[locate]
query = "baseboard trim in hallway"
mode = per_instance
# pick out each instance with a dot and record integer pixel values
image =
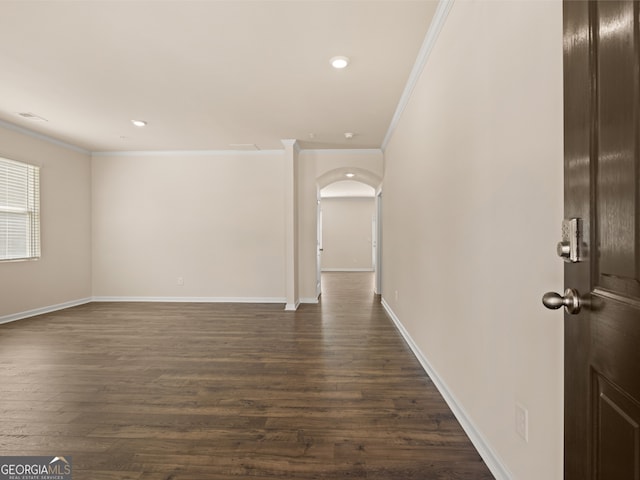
(491, 459)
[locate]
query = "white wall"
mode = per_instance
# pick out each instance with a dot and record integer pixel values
(63, 274)
(236, 252)
(472, 213)
(346, 233)
(217, 221)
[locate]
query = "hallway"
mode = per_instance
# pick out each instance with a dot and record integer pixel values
(194, 391)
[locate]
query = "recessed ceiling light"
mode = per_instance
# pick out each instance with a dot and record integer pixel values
(139, 123)
(350, 175)
(348, 135)
(339, 62)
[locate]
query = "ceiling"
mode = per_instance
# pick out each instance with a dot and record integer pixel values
(208, 74)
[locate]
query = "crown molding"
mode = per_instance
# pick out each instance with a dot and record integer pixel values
(442, 11)
(343, 151)
(43, 137)
(116, 299)
(183, 153)
(291, 142)
(196, 153)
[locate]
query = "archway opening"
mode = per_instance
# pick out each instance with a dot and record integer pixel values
(348, 228)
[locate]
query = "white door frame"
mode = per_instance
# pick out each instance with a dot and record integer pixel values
(378, 244)
(319, 248)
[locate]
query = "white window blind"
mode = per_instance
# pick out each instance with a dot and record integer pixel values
(19, 210)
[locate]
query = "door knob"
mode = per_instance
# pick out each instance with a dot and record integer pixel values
(570, 301)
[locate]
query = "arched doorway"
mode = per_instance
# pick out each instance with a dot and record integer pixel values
(348, 223)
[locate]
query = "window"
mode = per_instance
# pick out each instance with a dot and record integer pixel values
(19, 210)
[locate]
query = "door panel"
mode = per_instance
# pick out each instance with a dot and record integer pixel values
(617, 175)
(602, 143)
(618, 434)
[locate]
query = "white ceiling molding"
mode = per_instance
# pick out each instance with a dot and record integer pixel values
(343, 151)
(291, 142)
(444, 6)
(186, 153)
(43, 137)
(192, 153)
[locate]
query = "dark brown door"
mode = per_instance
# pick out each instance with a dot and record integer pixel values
(602, 175)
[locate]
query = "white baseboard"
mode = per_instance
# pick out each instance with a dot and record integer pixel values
(73, 303)
(40, 311)
(348, 270)
(192, 299)
(491, 459)
(309, 300)
(292, 307)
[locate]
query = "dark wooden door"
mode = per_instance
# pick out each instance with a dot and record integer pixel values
(602, 175)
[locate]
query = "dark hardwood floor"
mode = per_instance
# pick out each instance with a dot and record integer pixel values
(188, 391)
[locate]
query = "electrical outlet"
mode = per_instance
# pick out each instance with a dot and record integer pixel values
(522, 422)
(181, 281)
(396, 295)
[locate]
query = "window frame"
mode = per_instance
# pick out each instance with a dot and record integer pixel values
(21, 181)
